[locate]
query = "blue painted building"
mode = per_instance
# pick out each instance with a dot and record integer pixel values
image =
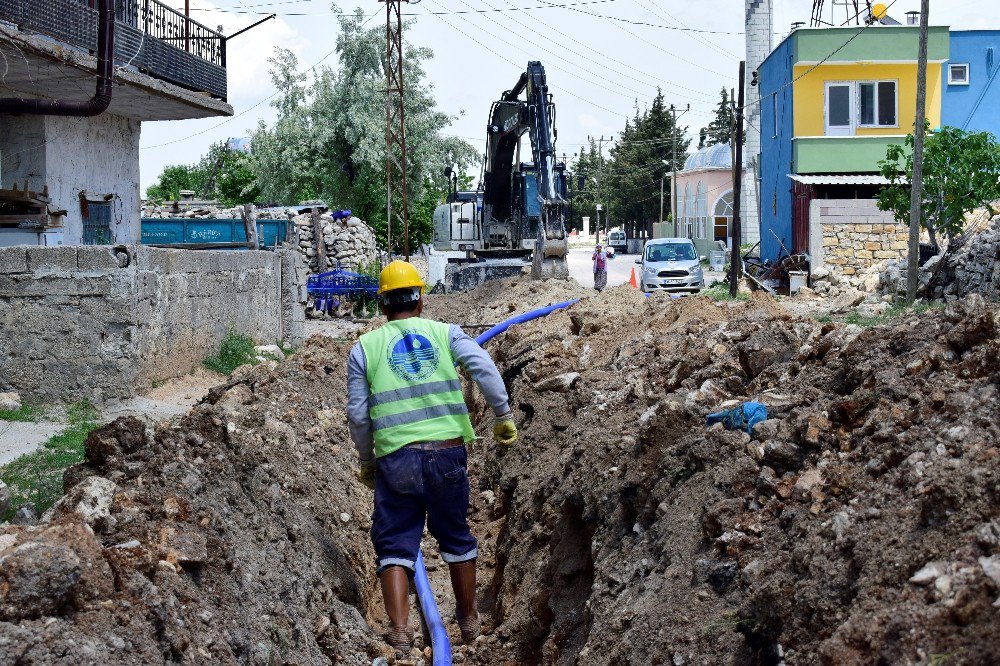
(776, 132)
(971, 99)
(833, 100)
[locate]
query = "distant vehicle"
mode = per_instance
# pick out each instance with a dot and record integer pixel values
(671, 264)
(618, 241)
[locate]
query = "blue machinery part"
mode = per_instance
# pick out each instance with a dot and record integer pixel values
(440, 645)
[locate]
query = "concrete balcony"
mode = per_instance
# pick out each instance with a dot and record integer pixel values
(171, 67)
(840, 154)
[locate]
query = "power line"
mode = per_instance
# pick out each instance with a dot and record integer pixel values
(508, 60)
(653, 25)
(653, 44)
(245, 9)
(580, 55)
(818, 64)
(251, 108)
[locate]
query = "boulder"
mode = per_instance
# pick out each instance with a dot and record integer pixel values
(10, 402)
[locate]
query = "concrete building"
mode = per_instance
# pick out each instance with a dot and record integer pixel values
(705, 199)
(82, 173)
(970, 81)
(833, 100)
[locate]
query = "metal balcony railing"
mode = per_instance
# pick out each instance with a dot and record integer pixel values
(156, 39)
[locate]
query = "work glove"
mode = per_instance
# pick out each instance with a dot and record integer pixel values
(504, 430)
(366, 474)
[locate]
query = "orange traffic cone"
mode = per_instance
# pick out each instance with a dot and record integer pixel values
(632, 280)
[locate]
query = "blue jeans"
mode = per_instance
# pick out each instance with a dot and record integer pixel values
(412, 486)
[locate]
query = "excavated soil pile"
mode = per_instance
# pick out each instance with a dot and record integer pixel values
(858, 525)
(236, 535)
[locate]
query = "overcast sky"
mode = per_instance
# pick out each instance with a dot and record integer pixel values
(598, 68)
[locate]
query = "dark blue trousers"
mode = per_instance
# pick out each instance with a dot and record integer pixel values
(413, 486)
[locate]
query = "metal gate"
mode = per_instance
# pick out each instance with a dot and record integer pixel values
(97, 223)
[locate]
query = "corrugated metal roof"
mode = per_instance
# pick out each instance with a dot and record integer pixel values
(839, 179)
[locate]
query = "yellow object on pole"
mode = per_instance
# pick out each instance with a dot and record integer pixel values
(399, 275)
(879, 11)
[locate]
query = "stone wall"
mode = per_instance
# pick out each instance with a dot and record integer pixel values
(852, 235)
(348, 243)
(974, 268)
(106, 322)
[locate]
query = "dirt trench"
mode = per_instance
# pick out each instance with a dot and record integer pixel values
(858, 525)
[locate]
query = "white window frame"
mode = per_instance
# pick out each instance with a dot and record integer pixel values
(775, 105)
(852, 114)
(968, 74)
(857, 103)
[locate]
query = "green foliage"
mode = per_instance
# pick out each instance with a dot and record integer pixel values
(223, 175)
(631, 183)
(36, 477)
(28, 413)
(961, 173)
(720, 292)
(720, 130)
(328, 141)
(897, 310)
(235, 350)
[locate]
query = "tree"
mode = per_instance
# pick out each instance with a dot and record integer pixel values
(329, 139)
(222, 175)
(720, 130)
(173, 179)
(643, 155)
(961, 174)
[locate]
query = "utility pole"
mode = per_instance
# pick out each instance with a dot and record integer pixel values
(673, 168)
(917, 183)
(600, 184)
(395, 128)
(734, 252)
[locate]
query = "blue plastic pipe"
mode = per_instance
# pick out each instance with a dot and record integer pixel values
(440, 644)
(482, 338)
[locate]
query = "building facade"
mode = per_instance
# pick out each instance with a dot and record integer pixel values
(971, 90)
(705, 199)
(832, 101)
(75, 179)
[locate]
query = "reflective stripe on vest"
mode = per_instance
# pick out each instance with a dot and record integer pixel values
(416, 394)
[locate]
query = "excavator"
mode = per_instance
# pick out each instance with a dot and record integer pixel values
(520, 207)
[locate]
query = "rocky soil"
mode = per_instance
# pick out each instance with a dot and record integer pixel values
(859, 524)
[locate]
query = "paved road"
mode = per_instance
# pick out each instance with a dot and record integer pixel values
(581, 267)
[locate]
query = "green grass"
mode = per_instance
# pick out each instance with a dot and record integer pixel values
(28, 413)
(235, 350)
(36, 477)
(897, 310)
(720, 292)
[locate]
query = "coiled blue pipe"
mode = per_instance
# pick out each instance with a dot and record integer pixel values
(440, 644)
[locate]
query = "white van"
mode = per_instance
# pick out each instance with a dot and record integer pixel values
(618, 241)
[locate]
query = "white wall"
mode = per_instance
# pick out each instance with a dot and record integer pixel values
(100, 156)
(22, 151)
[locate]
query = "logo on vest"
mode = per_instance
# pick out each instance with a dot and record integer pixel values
(412, 357)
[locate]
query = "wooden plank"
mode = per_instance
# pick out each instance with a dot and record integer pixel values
(318, 244)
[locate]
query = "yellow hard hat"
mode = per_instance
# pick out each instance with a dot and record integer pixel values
(399, 275)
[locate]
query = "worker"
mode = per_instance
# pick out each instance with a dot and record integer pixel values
(600, 259)
(409, 423)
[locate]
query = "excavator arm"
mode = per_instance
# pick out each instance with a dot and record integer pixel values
(510, 118)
